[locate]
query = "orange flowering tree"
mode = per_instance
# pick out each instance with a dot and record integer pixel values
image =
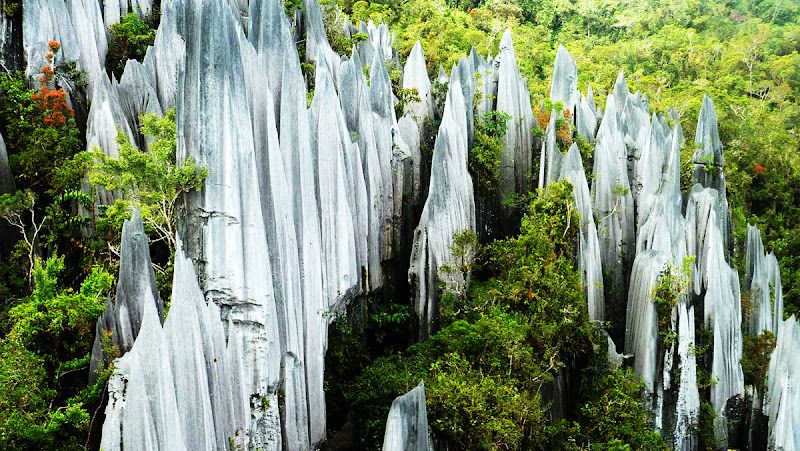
(44, 147)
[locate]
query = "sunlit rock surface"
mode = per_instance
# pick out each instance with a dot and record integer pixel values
(709, 162)
(516, 159)
(178, 387)
(123, 318)
(783, 392)
(449, 209)
(589, 261)
(407, 424)
(763, 280)
(613, 208)
(564, 87)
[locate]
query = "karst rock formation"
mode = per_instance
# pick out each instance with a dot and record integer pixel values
(315, 199)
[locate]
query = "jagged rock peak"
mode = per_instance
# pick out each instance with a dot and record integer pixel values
(564, 87)
(783, 392)
(188, 369)
(589, 260)
(708, 145)
(137, 282)
(763, 280)
(407, 424)
(449, 209)
(516, 159)
(415, 76)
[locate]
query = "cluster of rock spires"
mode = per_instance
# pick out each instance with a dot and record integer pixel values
(304, 209)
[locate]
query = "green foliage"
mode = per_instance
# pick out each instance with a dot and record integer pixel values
(290, 6)
(129, 39)
(41, 156)
(484, 157)
(756, 352)
(404, 97)
(44, 357)
(499, 344)
(611, 415)
(151, 181)
(11, 7)
(672, 285)
(45, 158)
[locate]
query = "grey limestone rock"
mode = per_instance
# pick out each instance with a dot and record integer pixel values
(90, 34)
(722, 313)
(564, 87)
(407, 424)
(178, 387)
(641, 331)
(613, 207)
(441, 75)
(551, 157)
(783, 392)
(763, 280)
(106, 120)
(586, 118)
(7, 185)
(165, 57)
(224, 228)
(142, 411)
(415, 76)
(709, 162)
(589, 260)
(43, 21)
(137, 281)
(687, 406)
(137, 96)
(449, 209)
(516, 160)
(317, 47)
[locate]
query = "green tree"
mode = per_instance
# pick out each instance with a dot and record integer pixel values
(151, 181)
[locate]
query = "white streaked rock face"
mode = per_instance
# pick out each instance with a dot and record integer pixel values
(763, 280)
(589, 260)
(783, 392)
(407, 424)
(449, 209)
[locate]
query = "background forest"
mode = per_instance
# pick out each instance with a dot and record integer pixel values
(485, 370)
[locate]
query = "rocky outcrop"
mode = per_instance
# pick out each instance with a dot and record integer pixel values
(7, 184)
(613, 208)
(783, 392)
(119, 326)
(407, 424)
(589, 247)
(564, 87)
(449, 209)
(709, 162)
(415, 76)
(763, 280)
(516, 159)
(179, 387)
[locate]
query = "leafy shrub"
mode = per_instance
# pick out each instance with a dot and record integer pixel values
(756, 352)
(484, 157)
(44, 359)
(129, 40)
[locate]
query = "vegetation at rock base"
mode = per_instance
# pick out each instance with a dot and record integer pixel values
(501, 343)
(44, 355)
(744, 55)
(56, 270)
